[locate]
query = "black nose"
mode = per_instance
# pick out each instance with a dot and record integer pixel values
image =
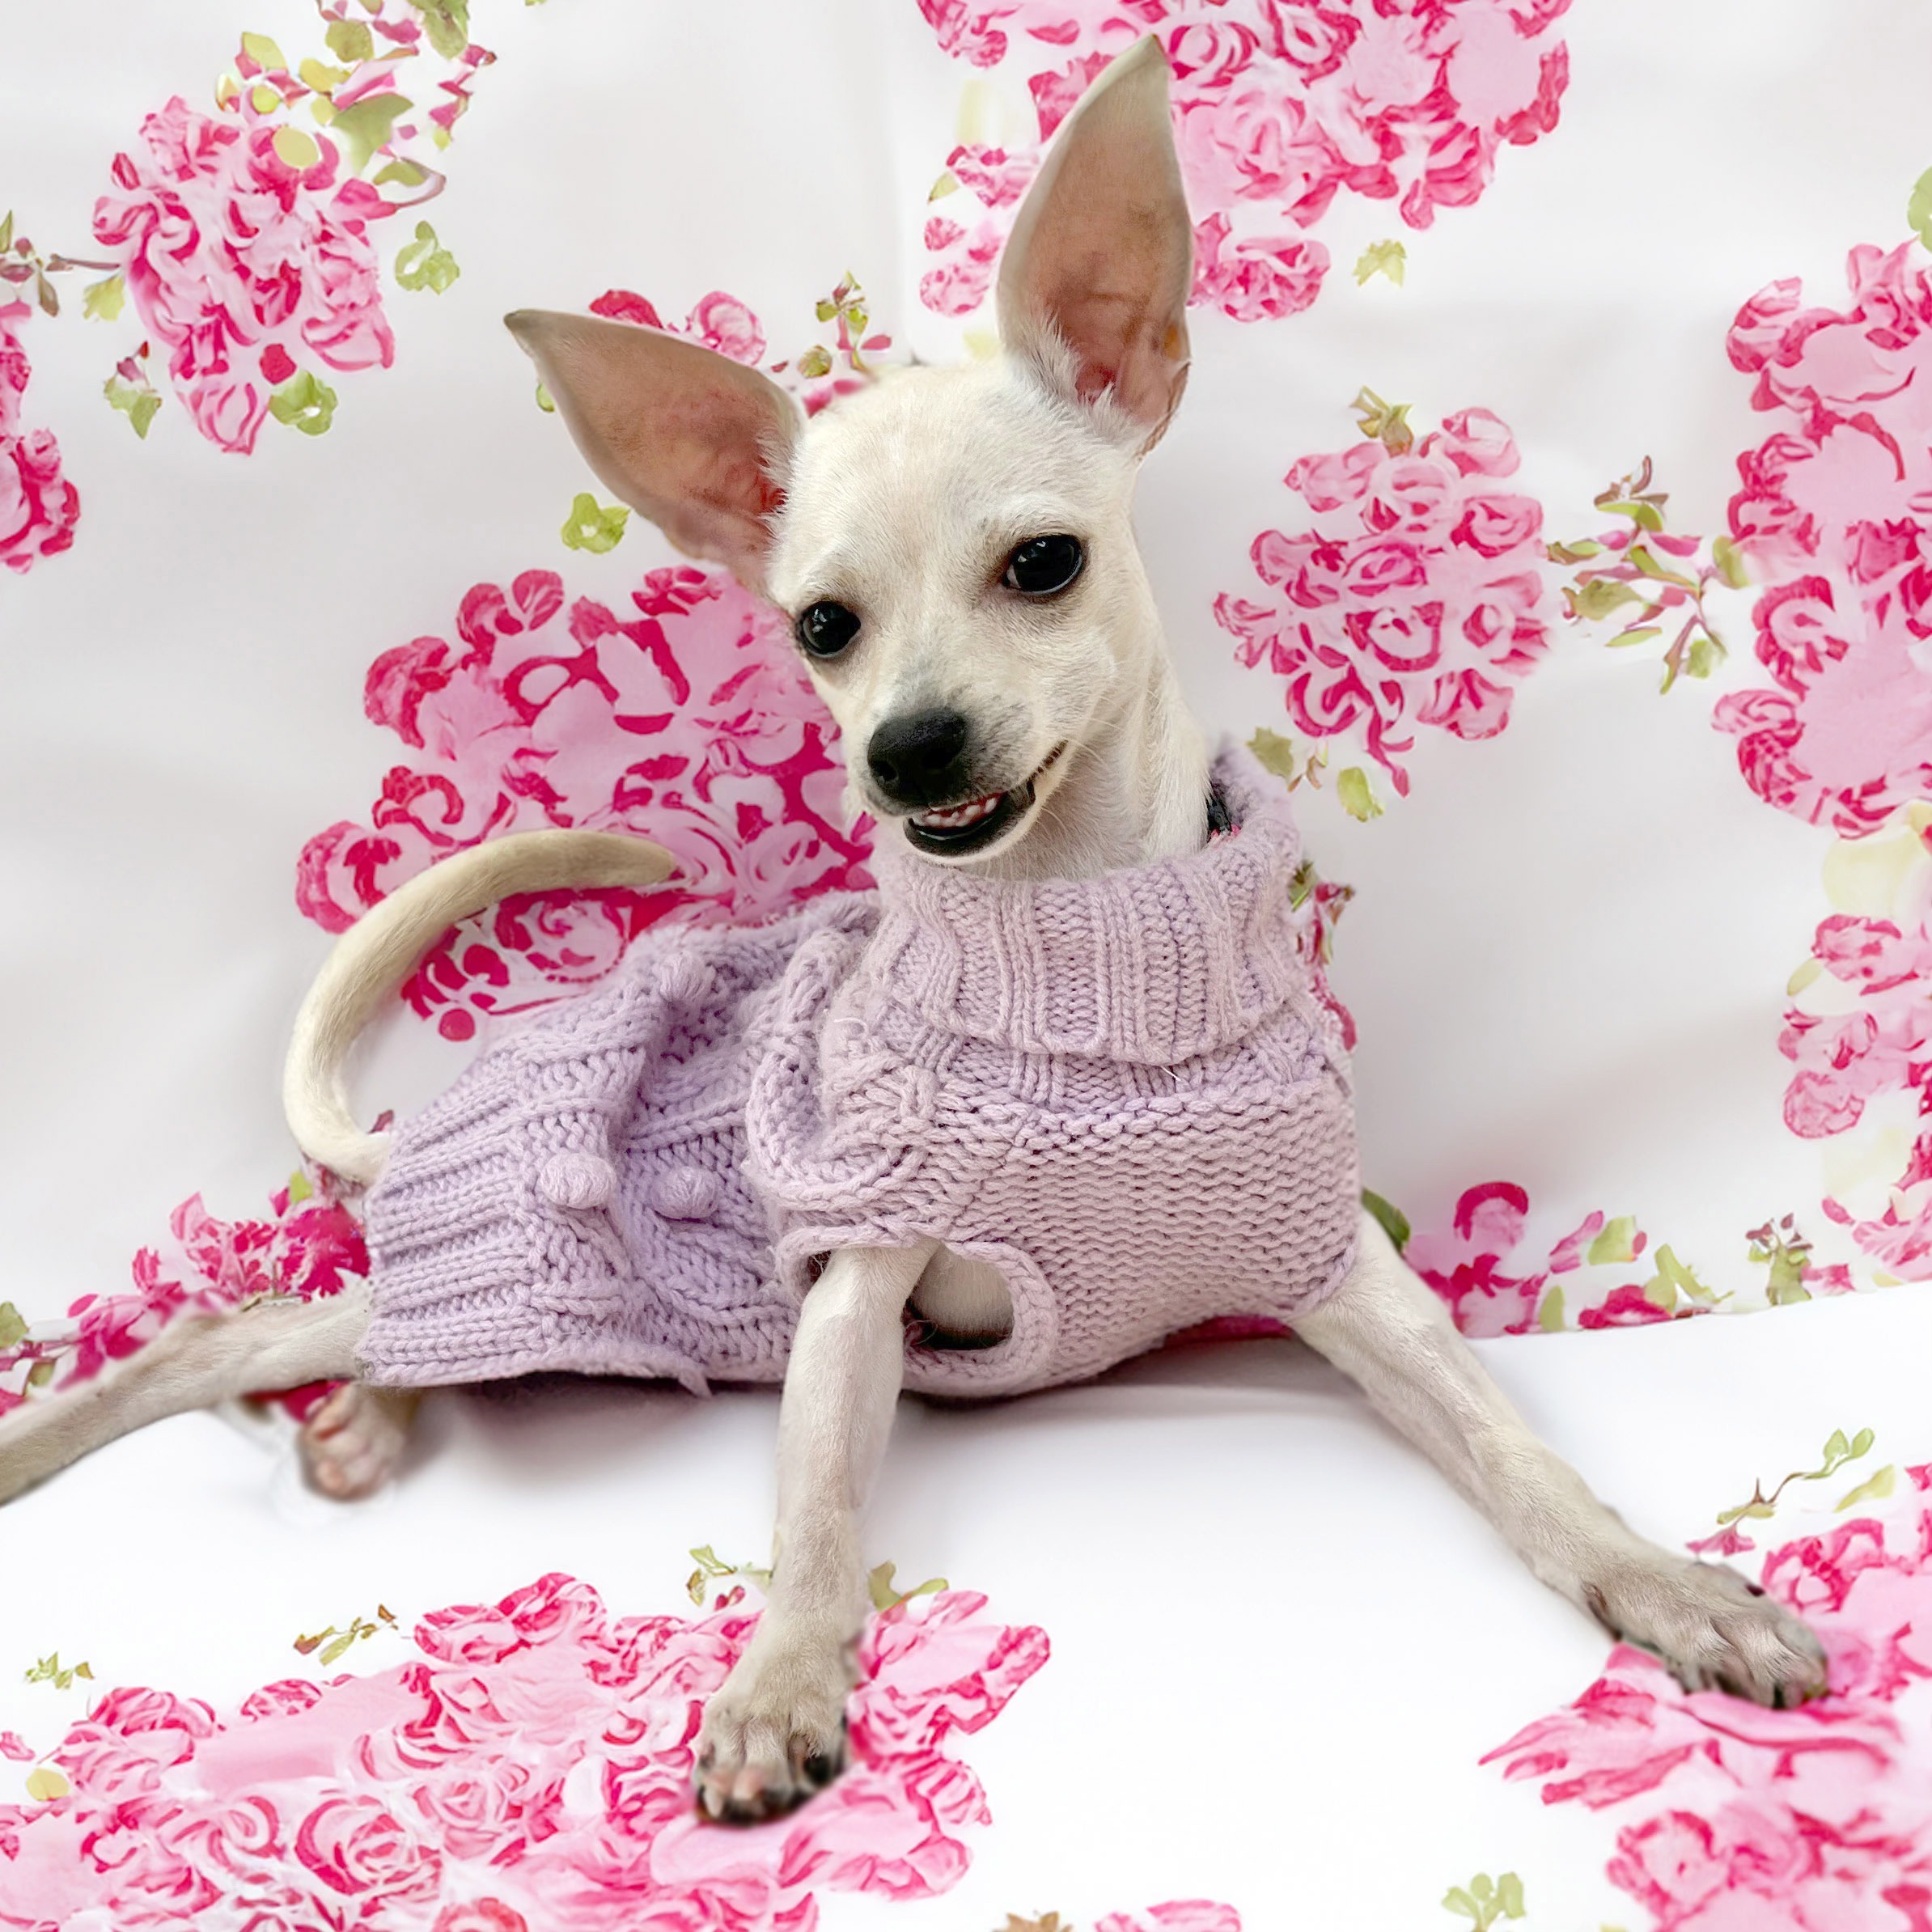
(919, 758)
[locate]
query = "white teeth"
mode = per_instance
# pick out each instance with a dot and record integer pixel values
(957, 815)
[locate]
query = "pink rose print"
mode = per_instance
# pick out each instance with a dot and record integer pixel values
(529, 1767)
(243, 237)
(1258, 278)
(1729, 1816)
(1177, 1915)
(1833, 510)
(1278, 107)
(722, 322)
(1417, 597)
(309, 1246)
(688, 722)
(480, 1915)
(1464, 1263)
(39, 507)
(243, 264)
(1878, 1045)
(355, 1846)
(1603, 1273)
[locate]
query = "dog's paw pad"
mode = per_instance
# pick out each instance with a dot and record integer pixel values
(353, 1443)
(1713, 1630)
(769, 1744)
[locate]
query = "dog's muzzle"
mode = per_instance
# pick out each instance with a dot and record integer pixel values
(960, 831)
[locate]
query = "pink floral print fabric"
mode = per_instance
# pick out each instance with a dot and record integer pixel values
(39, 507)
(1416, 596)
(309, 1244)
(243, 240)
(243, 265)
(684, 718)
(1832, 509)
(1278, 108)
(1605, 1272)
(527, 1770)
(1727, 1817)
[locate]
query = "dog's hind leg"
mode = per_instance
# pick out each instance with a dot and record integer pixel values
(196, 1361)
(1389, 1332)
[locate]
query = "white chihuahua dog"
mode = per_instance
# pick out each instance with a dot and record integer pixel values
(956, 551)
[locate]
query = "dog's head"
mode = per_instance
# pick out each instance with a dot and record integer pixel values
(954, 546)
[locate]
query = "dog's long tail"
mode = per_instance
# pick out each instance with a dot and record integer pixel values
(380, 951)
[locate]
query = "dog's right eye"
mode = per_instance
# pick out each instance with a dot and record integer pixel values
(1044, 564)
(825, 629)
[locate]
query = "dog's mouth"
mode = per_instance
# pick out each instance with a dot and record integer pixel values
(976, 826)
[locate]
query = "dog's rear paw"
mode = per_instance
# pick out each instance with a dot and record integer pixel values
(775, 1733)
(353, 1443)
(1711, 1629)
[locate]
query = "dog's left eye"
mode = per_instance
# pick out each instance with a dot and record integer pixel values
(825, 629)
(1043, 565)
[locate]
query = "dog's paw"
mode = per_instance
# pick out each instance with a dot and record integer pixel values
(353, 1443)
(775, 1732)
(1711, 1629)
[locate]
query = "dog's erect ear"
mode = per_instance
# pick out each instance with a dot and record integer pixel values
(699, 443)
(1102, 255)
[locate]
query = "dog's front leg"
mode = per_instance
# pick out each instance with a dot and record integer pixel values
(1388, 1331)
(775, 1732)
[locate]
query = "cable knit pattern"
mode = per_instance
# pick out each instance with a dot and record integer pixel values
(1121, 1091)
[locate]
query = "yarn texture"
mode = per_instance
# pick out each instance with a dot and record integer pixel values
(1121, 1091)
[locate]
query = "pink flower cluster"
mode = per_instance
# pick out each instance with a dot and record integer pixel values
(1278, 105)
(1602, 1274)
(1416, 598)
(309, 1245)
(242, 264)
(1731, 1816)
(1834, 510)
(1835, 513)
(1468, 1264)
(720, 322)
(723, 323)
(1881, 1044)
(1177, 1915)
(530, 1768)
(39, 507)
(687, 720)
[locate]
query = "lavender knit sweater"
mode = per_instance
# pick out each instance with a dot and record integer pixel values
(1119, 1091)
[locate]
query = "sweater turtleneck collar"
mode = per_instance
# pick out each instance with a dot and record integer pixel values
(1153, 964)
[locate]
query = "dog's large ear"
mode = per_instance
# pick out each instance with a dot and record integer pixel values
(699, 443)
(1102, 255)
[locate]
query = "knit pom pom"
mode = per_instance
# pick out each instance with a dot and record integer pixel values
(571, 1179)
(685, 980)
(684, 1194)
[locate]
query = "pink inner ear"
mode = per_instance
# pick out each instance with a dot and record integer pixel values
(678, 431)
(706, 445)
(1102, 251)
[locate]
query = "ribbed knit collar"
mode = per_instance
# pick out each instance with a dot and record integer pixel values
(1152, 964)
